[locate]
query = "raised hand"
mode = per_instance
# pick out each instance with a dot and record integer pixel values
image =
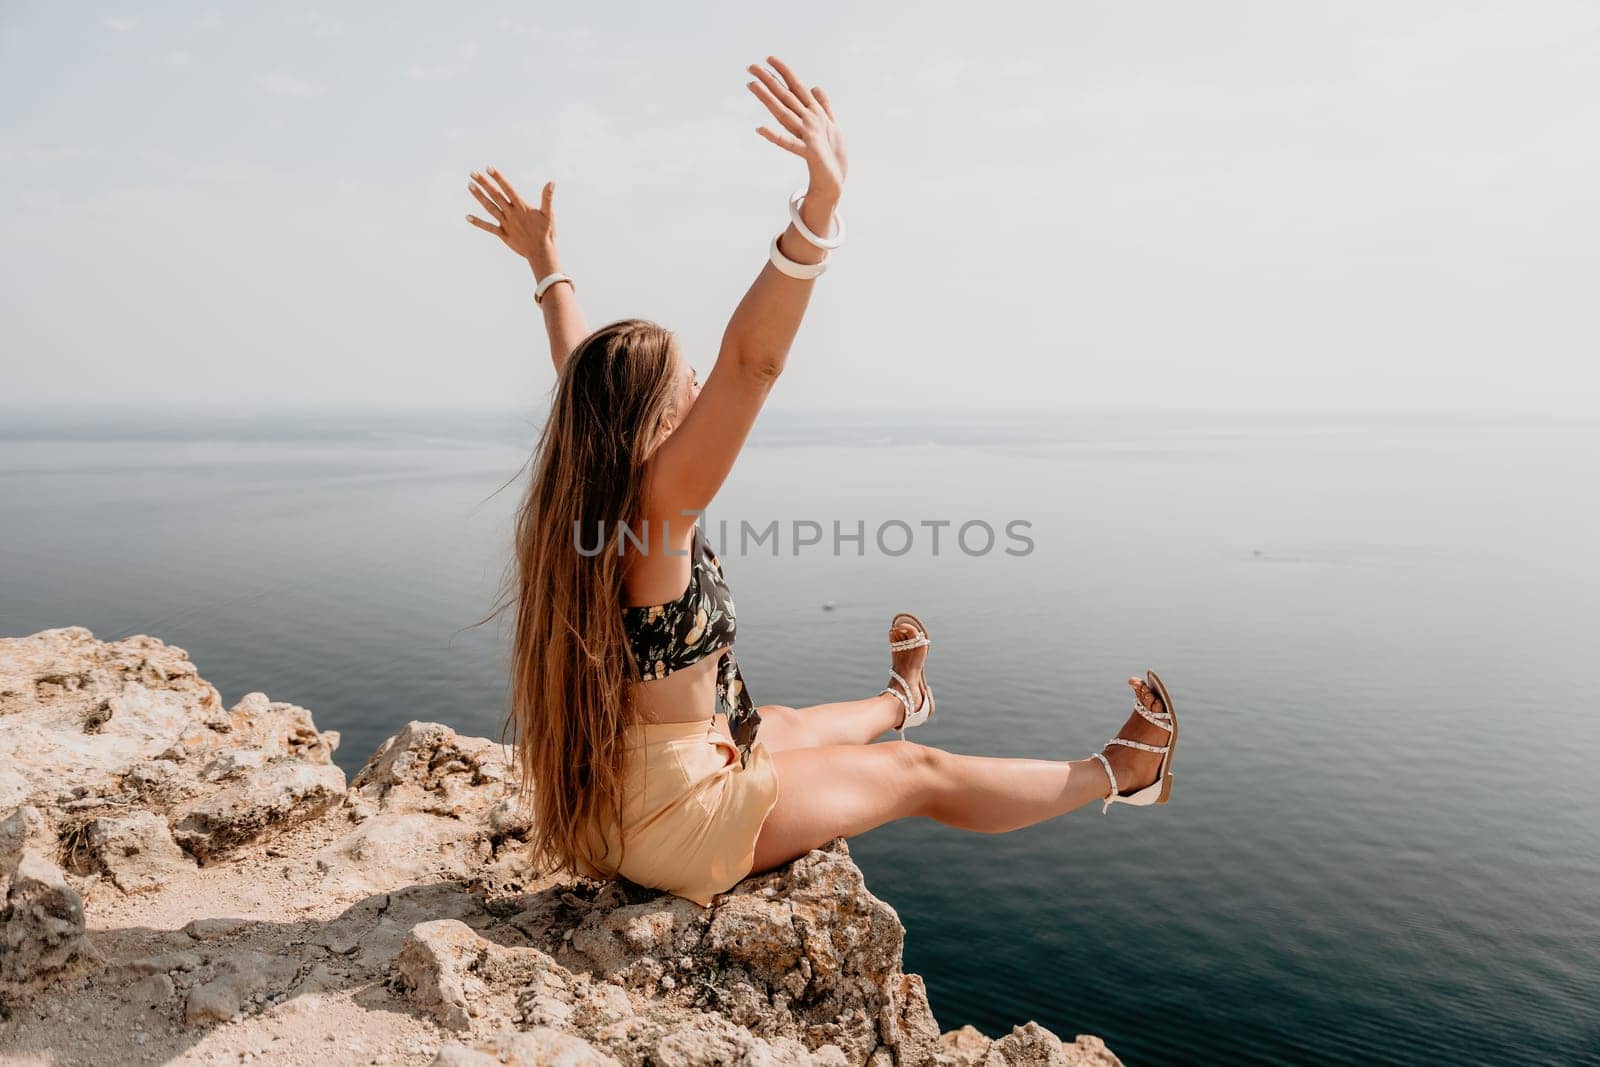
(528, 231)
(807, 115)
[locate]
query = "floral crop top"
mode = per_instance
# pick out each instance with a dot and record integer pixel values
(701, 622)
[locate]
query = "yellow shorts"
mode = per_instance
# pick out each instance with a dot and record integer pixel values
(691, 814)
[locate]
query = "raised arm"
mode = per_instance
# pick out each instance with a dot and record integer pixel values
(766, 321)
(530, 232)
(691, 465)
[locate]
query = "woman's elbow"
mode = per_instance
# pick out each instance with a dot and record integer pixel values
(762, 368)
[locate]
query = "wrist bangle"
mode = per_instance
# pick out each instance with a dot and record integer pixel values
(824, 243)
(551, 279)
(788, 266)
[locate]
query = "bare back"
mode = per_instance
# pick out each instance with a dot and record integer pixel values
(655, 577)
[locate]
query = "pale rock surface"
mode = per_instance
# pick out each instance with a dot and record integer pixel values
(41, 916)
(537, 1047)
(186, 883)
(137, 851)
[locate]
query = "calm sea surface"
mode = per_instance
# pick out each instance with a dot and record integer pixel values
(1381, 634)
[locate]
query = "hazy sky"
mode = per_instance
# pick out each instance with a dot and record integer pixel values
(1226, 205)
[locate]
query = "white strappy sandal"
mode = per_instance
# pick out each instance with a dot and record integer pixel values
(1158, 791)
(904, 694)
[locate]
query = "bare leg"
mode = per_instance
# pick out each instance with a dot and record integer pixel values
(850, 722)
(845, 790)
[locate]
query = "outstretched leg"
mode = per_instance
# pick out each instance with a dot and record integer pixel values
(845, 790)
(849, 722)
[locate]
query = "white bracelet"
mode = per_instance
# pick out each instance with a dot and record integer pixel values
(823, 243)
(539, 290)
(788, 266)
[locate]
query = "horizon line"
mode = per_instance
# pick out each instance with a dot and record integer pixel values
(141, 412)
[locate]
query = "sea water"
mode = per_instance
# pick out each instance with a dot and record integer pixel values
(1380, 634)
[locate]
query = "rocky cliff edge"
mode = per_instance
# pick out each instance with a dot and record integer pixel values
(188, 883)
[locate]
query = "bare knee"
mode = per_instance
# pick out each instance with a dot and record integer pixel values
(936, 792)
(924, 770)
(844, 790)
(783, 727)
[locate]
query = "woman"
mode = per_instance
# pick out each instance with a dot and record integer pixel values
(622, 649)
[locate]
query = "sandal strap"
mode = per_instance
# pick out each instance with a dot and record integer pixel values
(1159, 718)
(1139, 745)
(1111, 775)
(903, 697)
(914, 716)
(910, 642)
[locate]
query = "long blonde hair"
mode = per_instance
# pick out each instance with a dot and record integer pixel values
(570, 658)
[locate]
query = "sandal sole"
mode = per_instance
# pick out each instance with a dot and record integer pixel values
(923, 630)
(1172, 743)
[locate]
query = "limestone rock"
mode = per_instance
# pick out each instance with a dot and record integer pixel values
(434, 967)
(137, 851)
(400, 848)
(400, 906)
(261, 802)
(1029, 1045)
(427, 767)
(215, 928)
(456, 975)
(80, 713)
(472, 984)
(232, 985)
(166, 963)
(119, 732)
(41, 916)
(804, 952)
(539, 1047)
(150, 991)
(432, 805)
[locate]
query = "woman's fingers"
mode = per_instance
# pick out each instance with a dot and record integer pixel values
(549, 194)
(822, 98)
(491, 206)
(497, 197)
(787, 143)
(489, 226)
(505, 187)
(779, 111)
(780, 101)
(796, 87)
(790, 102)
